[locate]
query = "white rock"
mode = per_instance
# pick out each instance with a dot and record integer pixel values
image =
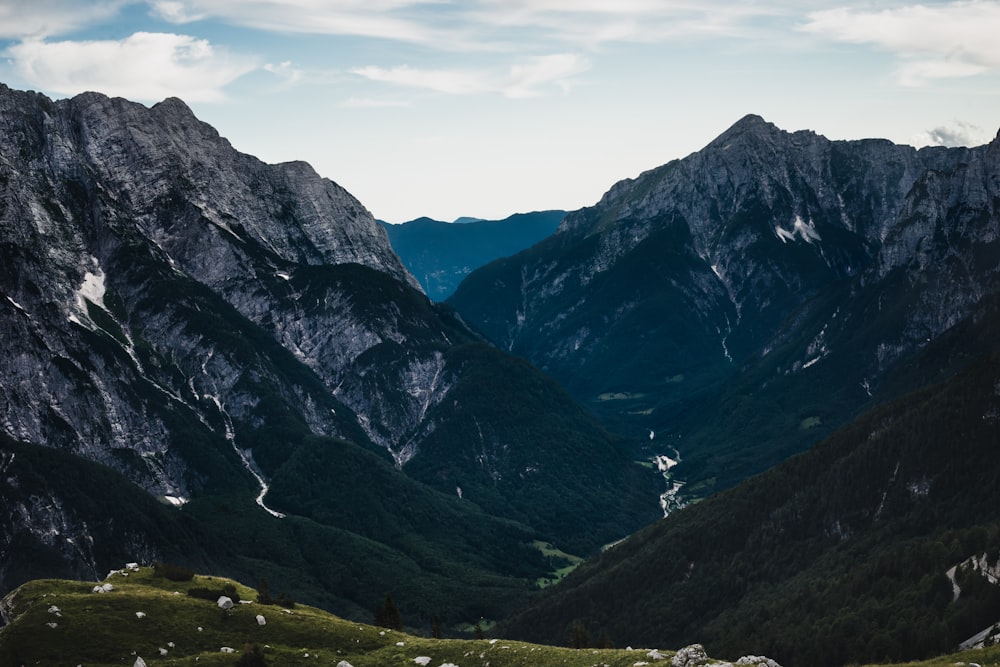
(139, 662)
(224, 602)
(108, 588)
(344, 663)
(400, 644)
(54, 609)
(162, 651)
(689, 656)
(170, 644)
(52, 625)
(140, 614)
(261, 620)
(134, 567)
(757, 660)
(227, 649)
(422, 660)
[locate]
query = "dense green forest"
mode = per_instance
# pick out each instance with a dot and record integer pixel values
(838, 555)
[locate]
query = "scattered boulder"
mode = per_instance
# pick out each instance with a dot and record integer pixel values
(757, 660)
(656, 655)
(162, 651)
(224, 602)
(344, 663)
(103, 588)
(139, 662)
(261, 620)
(52, 625)
(133, 567)
(422, 660)
(227, 649)
(54, 609)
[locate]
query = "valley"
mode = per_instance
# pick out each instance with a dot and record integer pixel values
(749, 400)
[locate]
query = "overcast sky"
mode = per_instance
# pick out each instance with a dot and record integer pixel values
(490, 107)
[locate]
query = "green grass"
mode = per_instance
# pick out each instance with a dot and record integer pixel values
(986, 657)
(95, 630)
(563, 563)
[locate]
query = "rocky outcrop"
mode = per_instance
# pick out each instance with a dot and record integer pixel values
(695, 656)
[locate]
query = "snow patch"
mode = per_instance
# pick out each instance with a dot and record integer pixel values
(806, 231)
(176, 501)
(18, 306)
(92, 289)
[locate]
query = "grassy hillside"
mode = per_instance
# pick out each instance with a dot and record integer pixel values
(148, 616)
(60, 622)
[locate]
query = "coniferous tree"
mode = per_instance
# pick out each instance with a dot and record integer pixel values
(388, 616)
(264, 593)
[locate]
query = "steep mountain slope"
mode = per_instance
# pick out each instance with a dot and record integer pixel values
(213, 329)
(441, 254)
(840, 555)
(706, 300)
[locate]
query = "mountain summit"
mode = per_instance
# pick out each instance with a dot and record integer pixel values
(695, 296)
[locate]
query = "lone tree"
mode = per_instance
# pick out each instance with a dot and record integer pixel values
(387, 616)
(579, 637)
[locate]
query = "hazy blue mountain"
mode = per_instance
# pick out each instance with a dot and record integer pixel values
(240, 341)
(740, 303)
(441, 254)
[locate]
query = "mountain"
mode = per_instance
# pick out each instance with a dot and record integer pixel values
(239, 340)
(441, 254)
(881, 543)
(739, 304)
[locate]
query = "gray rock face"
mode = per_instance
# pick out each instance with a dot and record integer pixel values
(766, 220)
(197, 320)
(763, 256)
(150, 270)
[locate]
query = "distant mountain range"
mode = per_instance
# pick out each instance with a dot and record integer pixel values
(441, 254)
(224, 363)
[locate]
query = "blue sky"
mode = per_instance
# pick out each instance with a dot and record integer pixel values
(490, 107)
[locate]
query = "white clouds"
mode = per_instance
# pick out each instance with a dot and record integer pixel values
(386, 19)
(955, 39)
(371, 103)
(35, 19)
(285, 70)
(484, 25)
(144, 66)
(527, 79)
(958, 133)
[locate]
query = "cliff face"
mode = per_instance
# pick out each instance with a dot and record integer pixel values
(697, 286)
(195, 319)
(137, 228)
